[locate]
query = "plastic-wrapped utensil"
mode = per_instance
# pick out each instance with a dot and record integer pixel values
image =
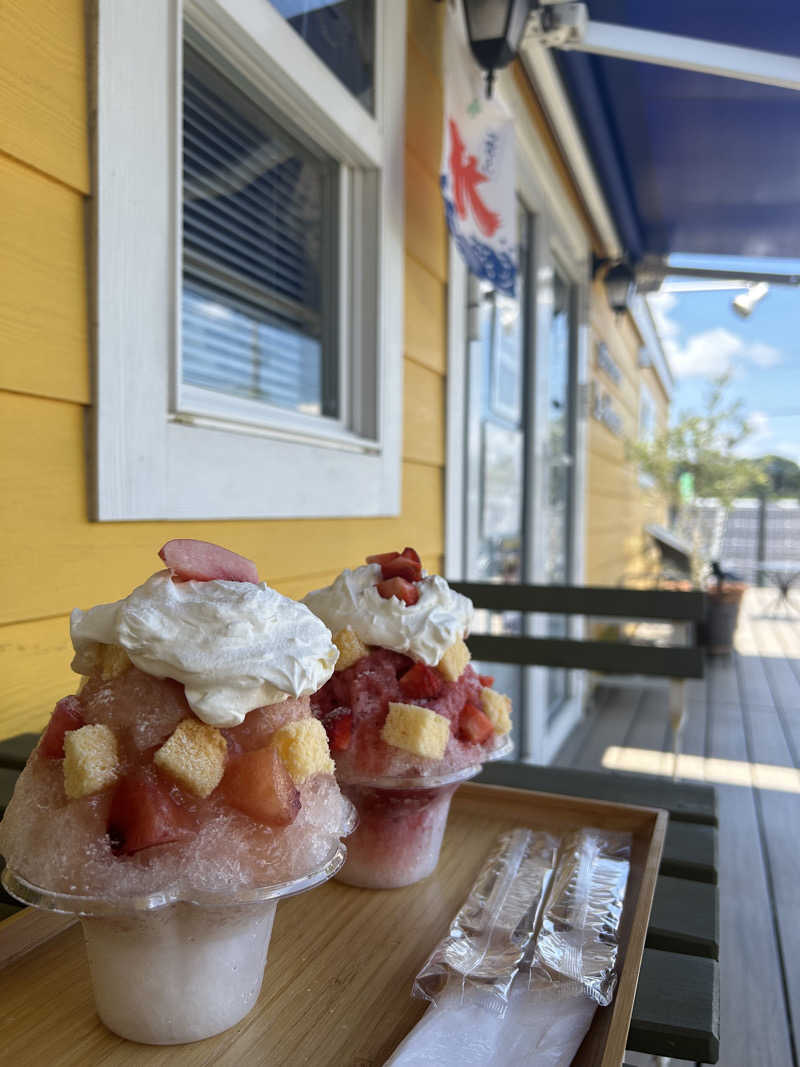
(579, 935)
(488, 937)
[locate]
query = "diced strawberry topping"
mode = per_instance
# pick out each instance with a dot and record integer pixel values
(200, 561)
(402, 568)
(399, 587)
(258, 784)
(473, 726)
(66, 716)
(143, 814)
(486, 680)
(421, 683)
(411, 553)
(338, 725)
(383, 557)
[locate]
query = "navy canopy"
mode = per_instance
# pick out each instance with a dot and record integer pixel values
(694, 163)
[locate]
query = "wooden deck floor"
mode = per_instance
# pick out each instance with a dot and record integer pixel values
(743, 735)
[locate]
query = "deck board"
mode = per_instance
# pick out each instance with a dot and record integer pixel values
(743, 735)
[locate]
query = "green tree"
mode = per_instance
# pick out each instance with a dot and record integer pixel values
(702, 444)
(781, 477)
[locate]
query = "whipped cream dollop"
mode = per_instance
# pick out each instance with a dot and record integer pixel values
(424, 630)
(235, 646)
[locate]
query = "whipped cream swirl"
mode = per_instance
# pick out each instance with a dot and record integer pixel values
(424, 630)
(235, 646)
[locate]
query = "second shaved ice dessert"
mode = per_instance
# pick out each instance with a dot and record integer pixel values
(407, 716)
(181, 792)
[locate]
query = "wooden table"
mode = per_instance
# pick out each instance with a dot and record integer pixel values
(679, 1020)
(342, 960)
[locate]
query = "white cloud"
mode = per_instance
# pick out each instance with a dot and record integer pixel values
(756, 444)
(763, 355)
(661, 304)
(710, 352)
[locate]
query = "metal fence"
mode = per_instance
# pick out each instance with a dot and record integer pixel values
(750, 533)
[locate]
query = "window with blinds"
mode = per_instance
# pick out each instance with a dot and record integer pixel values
(260, 232)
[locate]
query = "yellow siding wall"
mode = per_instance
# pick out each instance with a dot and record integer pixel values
(618, 507)
(53, 558)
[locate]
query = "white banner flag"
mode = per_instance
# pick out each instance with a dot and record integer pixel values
(478, 169)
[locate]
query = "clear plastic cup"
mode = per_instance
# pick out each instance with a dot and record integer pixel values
(167, 970)
(401, 823)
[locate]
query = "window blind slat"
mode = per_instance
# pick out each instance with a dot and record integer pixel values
(257, 240)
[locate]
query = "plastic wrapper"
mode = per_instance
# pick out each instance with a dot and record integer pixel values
(545, 1030)
(578, 940)
(489, 936)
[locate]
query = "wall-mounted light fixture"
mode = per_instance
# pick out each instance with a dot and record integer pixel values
(618, 280)
(743, 305)
(495, 30)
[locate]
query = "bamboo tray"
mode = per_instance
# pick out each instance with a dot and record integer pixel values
(341, 962)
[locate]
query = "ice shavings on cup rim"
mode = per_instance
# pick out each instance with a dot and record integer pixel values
(234, 646)
(424, 630)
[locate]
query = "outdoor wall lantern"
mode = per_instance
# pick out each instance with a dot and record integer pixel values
(495, 29)
(619, 282)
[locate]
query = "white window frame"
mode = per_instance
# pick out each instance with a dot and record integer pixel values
(164, 450)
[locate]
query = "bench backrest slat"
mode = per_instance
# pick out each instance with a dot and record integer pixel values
(611, 657)
(590, 600)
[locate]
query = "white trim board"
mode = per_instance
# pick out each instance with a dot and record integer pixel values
(151, 461)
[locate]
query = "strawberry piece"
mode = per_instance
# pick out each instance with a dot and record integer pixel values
(412, 554)
(66, 716)
(383, 557)
(402, 568)
(399, 587)
(473, 726)
(421, 683)
(143, 814)
(200, 561)
(258, 784)
(338, 725)
(486, 680)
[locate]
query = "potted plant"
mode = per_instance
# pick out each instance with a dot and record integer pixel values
(695, 458)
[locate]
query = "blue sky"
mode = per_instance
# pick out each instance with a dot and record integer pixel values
(703, 336)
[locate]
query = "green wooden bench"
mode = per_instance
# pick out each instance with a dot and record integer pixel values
(676, 1011)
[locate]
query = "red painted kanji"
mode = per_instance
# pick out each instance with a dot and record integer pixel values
(466, 179)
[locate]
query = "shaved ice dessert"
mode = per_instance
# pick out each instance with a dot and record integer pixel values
(407, 716)
(181, 792)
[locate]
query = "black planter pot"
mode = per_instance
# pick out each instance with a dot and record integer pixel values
(722, 614)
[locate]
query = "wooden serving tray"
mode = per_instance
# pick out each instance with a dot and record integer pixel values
(337, 988)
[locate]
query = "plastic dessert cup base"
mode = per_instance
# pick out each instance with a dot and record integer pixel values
(401, 823)
(168, 970)
(178, 974)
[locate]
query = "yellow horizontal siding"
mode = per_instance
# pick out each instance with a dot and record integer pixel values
(424, 112)
(43, 87)
(426, 22)
(34, 666)
(426, 230)
(618, 506)
(423, 415)
(425, 317)
(43, 318)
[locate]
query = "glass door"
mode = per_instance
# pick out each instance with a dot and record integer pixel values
(522, 465)
(496, 444)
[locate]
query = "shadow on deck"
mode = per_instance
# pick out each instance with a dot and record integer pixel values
(743, 736)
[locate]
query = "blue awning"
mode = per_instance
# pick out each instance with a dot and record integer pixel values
(694, 163)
